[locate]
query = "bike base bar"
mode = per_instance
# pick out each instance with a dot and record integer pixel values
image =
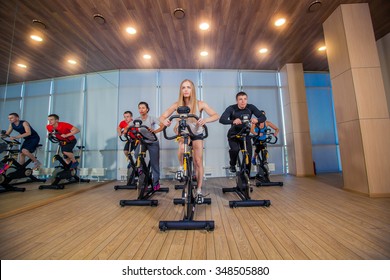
(126, 187)
(11, 188)
(51, 187)
(138, 202)
(249, 203)
(181, 201)
(186, 225)
(179, 187)
(269, 184)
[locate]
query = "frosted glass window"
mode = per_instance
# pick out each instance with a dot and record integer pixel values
(101, 115)
(322, 122)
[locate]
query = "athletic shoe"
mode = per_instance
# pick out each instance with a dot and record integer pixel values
(156, 187)
(179, 175)
(199, 198)
(232, 169)
(37, 164)
(74, 165)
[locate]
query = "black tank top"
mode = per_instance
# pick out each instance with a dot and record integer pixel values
(20, 128)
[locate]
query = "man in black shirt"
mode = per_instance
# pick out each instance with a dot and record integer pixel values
(232, 116)
(31, 138)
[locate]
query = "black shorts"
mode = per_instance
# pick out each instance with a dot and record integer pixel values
(68, 146)
(196, 137)
(30, 144)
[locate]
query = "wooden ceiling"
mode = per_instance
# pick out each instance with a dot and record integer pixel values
(238, 29)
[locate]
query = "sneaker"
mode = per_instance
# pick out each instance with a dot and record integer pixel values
(156, 187)
(4, 168)
(37, 164)
(199, 198)
(179, 175)
(254, 161)
(232, 169)
(74, 165)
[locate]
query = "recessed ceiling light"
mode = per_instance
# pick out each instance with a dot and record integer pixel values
(280, 22)
(72, 61)
(263, 50)
(204, 26)
(36, 38)
(204, 53)
(21, 65)
(131, 30)
(147, 56)
(322, 48)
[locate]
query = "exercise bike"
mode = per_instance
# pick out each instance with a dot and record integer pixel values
(145, 180)
(262, 176)
(16, 170)
(188, 198)
(132, 175)
(63, 174)
(243, 187)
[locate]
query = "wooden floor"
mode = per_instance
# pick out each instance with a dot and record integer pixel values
(310, 218)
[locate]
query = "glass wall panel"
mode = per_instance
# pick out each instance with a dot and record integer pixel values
(169, 83)
(10, 102)
(35, 110)
(101, 116)
(322, 122)
(219, 89)
(135, 86)
(262, 92)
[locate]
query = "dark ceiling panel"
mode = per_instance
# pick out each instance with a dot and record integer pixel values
(238, 29)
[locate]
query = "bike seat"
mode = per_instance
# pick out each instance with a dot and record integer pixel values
(80, 147)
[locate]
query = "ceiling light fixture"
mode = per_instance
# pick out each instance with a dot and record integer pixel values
(36, 38)
(131, 30)
(204, 53)
(204, 26)
(280, 22)
(263, 50)
(21, 65)
(322, 48)
(147, 56)
(72, 61)
(99, 19)
(179, 13)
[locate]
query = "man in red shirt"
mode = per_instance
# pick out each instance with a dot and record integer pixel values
(127, 119)
(64, 132)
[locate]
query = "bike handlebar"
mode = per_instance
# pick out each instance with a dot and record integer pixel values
(138, 124)
(182, 126)
(9, 141)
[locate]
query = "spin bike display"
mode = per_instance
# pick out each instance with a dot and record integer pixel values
(188, 199)
(16, 170)
(132, 175)
(262, 176)
(243, 187)
(145, 180)
(63, 174)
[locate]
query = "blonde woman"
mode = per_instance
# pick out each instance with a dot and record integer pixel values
(187, 97)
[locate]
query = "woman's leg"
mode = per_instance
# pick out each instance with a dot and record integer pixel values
(197, 155)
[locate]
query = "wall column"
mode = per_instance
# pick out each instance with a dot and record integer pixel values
(299, 150)
(360, 103)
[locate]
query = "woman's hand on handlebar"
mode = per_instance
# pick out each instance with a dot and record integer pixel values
(167, 122)
(201, 122)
